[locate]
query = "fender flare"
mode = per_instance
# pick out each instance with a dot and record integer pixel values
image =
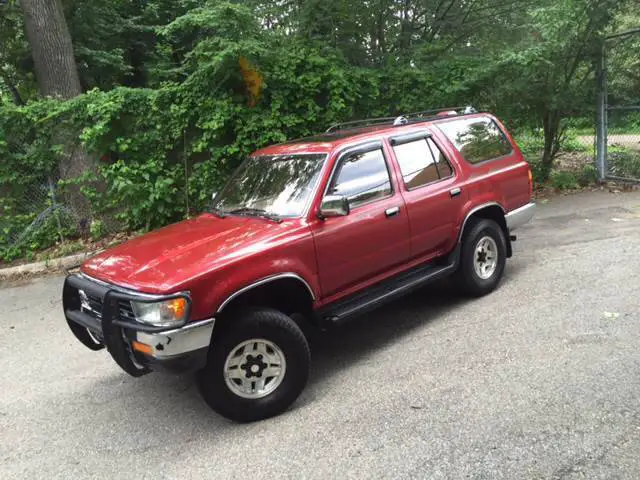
(264, 281)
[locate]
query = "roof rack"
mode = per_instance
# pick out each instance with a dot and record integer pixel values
(404, 119)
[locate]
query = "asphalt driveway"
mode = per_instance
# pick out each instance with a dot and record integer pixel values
(541, 379)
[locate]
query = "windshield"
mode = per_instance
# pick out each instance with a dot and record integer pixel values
(274, 184)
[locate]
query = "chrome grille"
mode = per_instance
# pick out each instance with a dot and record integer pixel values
(92, 305)
(125, 311)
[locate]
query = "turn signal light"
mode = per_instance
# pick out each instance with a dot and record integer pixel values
(178, 306)
(142, 347)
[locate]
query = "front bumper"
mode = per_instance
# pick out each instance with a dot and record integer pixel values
(518, 217)
(101, 319)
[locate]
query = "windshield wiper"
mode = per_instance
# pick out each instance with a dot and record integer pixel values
(217, 212)
(258, 212)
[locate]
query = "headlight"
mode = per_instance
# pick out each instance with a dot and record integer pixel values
(161, 314)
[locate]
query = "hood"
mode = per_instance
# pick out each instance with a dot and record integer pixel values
(167, 258)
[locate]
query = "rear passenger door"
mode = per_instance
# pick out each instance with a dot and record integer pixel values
(433, 202)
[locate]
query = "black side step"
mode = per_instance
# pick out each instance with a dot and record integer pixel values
(383, 292)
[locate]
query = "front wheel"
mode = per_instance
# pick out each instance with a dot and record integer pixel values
(258, 365)
(482, 258)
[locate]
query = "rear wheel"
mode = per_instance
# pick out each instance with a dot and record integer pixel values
(482, 258)
(257, 366)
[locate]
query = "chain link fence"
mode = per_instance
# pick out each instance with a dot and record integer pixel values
(38, 211)
(35, 215)
(623, 143)
(618, 132)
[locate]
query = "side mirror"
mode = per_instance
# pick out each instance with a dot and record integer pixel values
(334, 206)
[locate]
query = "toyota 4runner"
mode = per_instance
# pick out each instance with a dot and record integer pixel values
(319, 230)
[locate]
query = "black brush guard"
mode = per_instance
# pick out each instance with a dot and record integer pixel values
(109, 330)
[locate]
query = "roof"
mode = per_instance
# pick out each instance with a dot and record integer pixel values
(328, 141)
(321, 143)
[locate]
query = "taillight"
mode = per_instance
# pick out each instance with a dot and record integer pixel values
(530, 175)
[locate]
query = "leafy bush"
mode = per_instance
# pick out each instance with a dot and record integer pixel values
(530, 143)
(572, 143)
(624, 162)
(588, 175)
(190, 115)
(563, 180)
(160, 153)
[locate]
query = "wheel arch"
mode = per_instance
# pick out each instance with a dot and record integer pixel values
(491, 211)
(287, 292)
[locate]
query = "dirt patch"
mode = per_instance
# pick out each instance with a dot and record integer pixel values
(573, 161)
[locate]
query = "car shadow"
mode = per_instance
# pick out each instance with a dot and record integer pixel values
(340, 348)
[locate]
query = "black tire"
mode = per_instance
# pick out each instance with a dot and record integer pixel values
(470, 282)
(247, 324)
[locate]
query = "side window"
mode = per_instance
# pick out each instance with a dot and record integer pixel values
(421, 162)
(362, 177)
(477, 139)
(444, 167)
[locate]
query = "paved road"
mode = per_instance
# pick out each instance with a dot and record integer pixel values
(539, 380)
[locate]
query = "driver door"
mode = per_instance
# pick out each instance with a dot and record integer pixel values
(374, 236)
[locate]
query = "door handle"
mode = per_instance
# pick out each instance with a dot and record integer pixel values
(455, 192)
(390, 212)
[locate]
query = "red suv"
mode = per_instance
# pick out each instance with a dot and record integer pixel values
(315, 230)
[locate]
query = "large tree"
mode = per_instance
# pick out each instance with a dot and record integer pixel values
(57, 74)
(51, 47)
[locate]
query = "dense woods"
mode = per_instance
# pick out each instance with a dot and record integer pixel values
(131, 112)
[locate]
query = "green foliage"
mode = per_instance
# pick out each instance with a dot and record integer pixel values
(588, 175)
(167, 117)
(149, 190)
(97, 230)
(572, 143)
(530, 143)
(564, 180)
(624, 162)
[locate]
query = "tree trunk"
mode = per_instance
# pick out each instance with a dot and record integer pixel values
(51, 47)
(57, 74)
(552, 134)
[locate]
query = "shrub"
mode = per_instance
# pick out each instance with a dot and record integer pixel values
(563, 180)
(624, 162)
(588, 175)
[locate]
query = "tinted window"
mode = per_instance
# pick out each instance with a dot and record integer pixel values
(477, 139)
(444, 167)
(421, 162)
(362, 177)
(416, 163)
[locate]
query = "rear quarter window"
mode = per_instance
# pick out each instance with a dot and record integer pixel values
(477, 139)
